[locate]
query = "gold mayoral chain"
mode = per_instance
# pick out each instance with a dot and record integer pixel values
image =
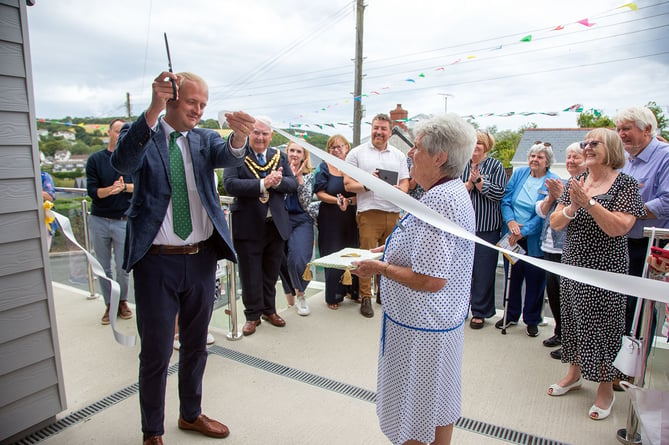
(257, 170)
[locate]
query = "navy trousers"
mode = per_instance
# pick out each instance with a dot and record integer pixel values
(484, 274)
(535, 284)
(167, 285)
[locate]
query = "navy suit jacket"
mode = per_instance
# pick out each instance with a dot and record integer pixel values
(248, 213)
(144, 154)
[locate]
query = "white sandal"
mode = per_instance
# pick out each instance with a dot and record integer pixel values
(557, 390)
(601, 413)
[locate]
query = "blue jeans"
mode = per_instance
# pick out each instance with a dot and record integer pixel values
(107, 235)
(298, 253)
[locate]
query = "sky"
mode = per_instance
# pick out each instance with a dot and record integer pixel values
(292, 60)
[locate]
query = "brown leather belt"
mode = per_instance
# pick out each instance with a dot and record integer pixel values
(189, 249)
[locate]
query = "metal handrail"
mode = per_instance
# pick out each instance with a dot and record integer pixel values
(231, 288)
(231, 268)
(630, 435)
(87, 237)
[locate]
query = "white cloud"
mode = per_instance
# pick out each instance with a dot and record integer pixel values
(292, 59)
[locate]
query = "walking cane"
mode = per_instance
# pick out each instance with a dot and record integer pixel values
(507, 277)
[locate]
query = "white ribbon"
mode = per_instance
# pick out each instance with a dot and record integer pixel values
(98, 271)
(615, 282)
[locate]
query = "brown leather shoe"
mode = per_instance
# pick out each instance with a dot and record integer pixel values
(124, 310)
(274, 320)
(153, 440)
(250, 326)
(105, 317)
(366, 307)
(205, 425)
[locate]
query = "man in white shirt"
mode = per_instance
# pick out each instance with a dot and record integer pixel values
(376, 216)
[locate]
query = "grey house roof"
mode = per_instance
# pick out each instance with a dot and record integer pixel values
(559, 138)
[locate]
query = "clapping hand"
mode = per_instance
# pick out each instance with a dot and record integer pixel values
(577, 193)
(554, 187)
(274, 178)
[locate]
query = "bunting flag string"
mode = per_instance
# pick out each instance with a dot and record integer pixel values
(527, 38)
(576, 108)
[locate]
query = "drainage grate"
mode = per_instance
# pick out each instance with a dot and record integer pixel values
(501, 433)
(474, 426)
(296, 374)
(86, 412)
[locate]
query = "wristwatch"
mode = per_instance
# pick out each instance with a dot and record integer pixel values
(591, 203)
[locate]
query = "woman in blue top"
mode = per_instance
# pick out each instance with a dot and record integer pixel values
(525, 187)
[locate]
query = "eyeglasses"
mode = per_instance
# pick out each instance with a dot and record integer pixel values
(546, 144)
(592, 144)
(337, 147)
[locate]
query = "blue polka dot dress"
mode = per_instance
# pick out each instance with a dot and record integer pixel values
(420, 357)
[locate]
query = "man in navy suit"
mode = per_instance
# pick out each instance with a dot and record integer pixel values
(175, 274)
(260, 222)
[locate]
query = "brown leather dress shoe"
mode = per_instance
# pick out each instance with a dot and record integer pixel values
(274, 320)
(105, 317)
(153, 440)
(124, 310)
(250, 327)
(205, 425)
(366, 307)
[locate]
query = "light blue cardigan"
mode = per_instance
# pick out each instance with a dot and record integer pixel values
(531, 230)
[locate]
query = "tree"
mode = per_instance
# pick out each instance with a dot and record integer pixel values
(209, 123)
(50, 146)
(662, 120)
(594, 119)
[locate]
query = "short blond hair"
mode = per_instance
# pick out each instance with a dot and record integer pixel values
(615, 151)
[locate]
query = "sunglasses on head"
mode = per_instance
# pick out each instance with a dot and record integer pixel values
(592, 144)
(546, 144)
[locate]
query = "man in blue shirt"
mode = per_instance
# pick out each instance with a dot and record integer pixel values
(648, 163)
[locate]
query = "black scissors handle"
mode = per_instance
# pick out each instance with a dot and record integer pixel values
(169, 64)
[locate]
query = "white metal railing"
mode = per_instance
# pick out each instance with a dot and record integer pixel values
(630, 435)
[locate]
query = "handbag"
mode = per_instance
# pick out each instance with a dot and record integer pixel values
(629, 360)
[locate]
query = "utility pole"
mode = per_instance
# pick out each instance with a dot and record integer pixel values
(357, 92)
(127, 105)
(446, 96)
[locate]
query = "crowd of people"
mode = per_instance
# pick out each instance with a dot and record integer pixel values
(155, 199)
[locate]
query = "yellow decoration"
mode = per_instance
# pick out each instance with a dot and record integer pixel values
(307, 274)
(346, 278)
(48, 214)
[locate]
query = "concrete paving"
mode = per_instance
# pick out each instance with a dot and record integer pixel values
(505, 379)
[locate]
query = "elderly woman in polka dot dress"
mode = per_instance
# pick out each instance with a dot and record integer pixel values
(426, 278)
(598, 208)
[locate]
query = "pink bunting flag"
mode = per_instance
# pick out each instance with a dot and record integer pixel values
(558, 28)
(585, 22)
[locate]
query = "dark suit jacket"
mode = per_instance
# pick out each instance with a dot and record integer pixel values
(248, 213)
(144, 154)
